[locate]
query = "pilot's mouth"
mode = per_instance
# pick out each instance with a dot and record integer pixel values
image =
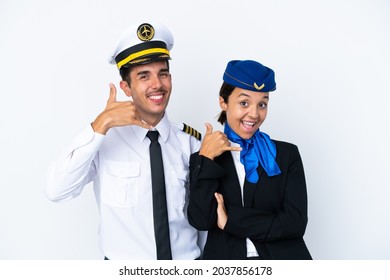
(157, 98)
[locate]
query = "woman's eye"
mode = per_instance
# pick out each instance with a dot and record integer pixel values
(244, 103)
(263, 105)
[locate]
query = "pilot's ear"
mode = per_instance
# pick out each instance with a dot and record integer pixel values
(125, 87)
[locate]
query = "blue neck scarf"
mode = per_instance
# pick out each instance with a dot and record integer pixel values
(259, 148)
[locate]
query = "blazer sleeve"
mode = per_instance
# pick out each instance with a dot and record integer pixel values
(204, 181)
(289, 221)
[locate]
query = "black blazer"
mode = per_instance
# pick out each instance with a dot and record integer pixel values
(274, 215)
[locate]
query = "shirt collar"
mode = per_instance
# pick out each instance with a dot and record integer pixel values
(162, 127)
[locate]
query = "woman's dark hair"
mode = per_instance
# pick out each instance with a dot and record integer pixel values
(225, 92)
(126, 69)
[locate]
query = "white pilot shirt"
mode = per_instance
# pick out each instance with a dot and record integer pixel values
(118, 164)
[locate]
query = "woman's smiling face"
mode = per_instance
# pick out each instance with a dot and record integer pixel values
(245, 111)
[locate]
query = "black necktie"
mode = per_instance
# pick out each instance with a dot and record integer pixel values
(160, 213)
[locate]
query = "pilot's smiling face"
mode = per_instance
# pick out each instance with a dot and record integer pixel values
(150, 90)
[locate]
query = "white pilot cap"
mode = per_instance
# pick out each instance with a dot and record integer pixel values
(143, 43)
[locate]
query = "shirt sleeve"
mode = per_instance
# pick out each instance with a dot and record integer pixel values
(74, 168)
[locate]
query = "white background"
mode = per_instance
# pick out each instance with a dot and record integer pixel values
(332, 64)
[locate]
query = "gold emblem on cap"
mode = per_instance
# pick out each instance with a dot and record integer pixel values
(258, 87)
(145, 32)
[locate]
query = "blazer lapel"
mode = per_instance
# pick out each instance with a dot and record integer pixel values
(250, 189)
(230, 181)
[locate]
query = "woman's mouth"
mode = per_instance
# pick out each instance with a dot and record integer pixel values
(248, 125)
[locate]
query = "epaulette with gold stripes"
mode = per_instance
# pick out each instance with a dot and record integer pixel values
(191, 131)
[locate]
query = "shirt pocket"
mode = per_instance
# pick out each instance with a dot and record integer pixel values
(120, 184)
(180, 177)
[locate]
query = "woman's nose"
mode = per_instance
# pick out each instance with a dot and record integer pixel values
(253, 112)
